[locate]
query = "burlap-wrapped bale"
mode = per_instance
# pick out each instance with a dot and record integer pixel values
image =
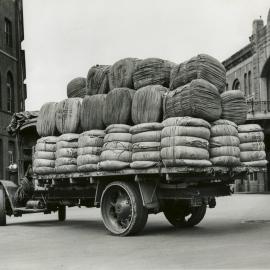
(202, 66)
(91, 116)
(224, 144)
(121, 73)
(147, 104)
(46, 125)
(97, 80)
(76, 88)
(185, 141)
(234, 106)
(117, 109)
(198, 99)
(68, 115)
(147, 136)
(117, 128)
(152, 71)
(252, 145)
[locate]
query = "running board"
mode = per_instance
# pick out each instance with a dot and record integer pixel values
(23, 210)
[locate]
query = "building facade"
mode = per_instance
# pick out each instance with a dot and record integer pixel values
(12, 76)
(249, 70)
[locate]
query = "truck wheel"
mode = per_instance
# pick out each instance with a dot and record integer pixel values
(122, 209)
(181, 215)
(3, 221)
(61, 212)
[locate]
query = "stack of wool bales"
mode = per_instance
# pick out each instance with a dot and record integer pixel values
(146, 145)
(234, 106)
(66, 153)
(185, 142)
(117, 148)
(90, 145)
(76, 88)
(224, 144)
(44, 156)
(251, 145)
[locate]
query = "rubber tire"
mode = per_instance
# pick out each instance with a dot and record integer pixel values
(3, 220)
(140, 216)
(61, 212)
(172, 210)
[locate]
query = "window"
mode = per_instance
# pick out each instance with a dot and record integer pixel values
(236, 85)
(10, 93)
(11, 152)
(249, 84)
(245, 84)
(8, 32)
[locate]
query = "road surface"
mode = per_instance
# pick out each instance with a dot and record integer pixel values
(236, 234)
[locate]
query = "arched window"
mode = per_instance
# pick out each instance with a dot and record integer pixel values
(236, 85)
(245, 84)
(249, 83)
(10, 92)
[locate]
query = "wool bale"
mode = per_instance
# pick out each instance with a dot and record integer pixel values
(76, 88)
(223, 130)
(121, 73)
(252, 146)
(147, 104)
(225, 161)
(43, 163)
(152, 71)
(117, 109)
(224, 151)
(91, 112)
(66, 144)
(68, 115)
(184, 152)
(113, 165)
(46, 125)
(144, 164)
(117, 145)
(256, 163)
(146, 147)
(225, 122)
(66, 168)
(184, 141)
(87, 159)
(256, 136)
(249, 128)
(146, 156)
(66, 152)
(185, 121)
(43, 170)
(68, 137)
(248, 156)
(45, 147)
(85, 141)
(87, 168)
(48, 140)
(199, 132)
(186, 162)
(199, 99)
(234, 106)
(119, 155)
(97, 80)
(44, 155)
(121, 137)
(93, 133)
(147, 136)
(202, 66)
(224, 141)
(117, 128)
(65, 161)
(146, 127)
(89, 150)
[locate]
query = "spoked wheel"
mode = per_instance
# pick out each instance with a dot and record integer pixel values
(3, 221)
(181, 215)
(61, 212)
(122, 209)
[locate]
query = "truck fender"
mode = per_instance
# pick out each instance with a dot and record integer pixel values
(10, 189)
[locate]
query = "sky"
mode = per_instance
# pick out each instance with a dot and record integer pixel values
(64, 38)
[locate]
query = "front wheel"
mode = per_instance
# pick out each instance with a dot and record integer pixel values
(122, 209)
(61, 212)
(3, 221)
(182, 215)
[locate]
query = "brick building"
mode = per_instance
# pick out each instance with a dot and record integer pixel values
(249, 70)
(12, 76)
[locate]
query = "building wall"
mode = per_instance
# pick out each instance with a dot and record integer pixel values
(11, 61)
